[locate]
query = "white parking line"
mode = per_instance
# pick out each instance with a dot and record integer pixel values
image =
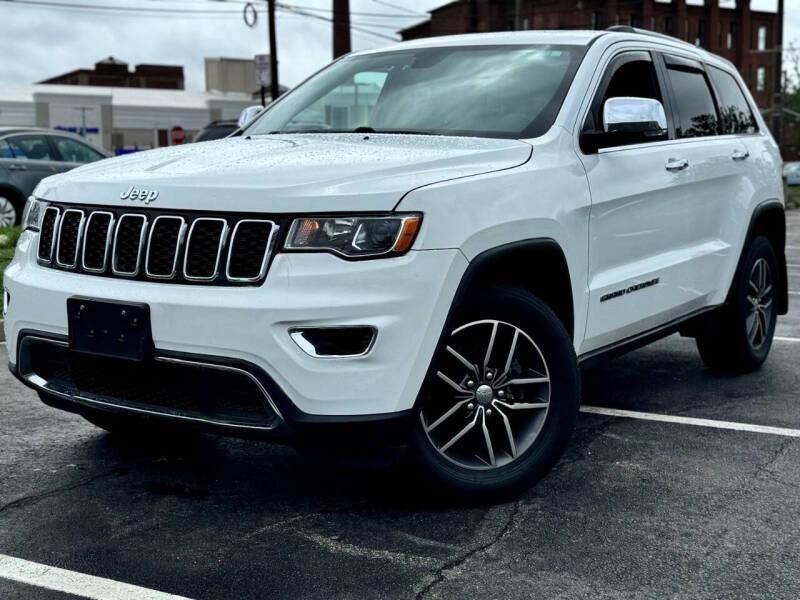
(786, 339)
(632, 414)
(77, 584)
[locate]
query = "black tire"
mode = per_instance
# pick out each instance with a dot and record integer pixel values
(515, 307)
(16, 202)
(726, 343)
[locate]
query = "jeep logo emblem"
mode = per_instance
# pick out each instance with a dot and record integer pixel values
(134, 193)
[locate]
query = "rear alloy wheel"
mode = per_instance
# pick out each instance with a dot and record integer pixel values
(8, 212)
(501, 400)
(739, 338)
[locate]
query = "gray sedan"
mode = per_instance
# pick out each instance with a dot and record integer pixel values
(28, 155)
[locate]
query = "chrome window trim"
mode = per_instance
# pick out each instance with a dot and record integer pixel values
(109, 232)
(267, 251)
(179, 241)
(77, 239)
(56, 224)
(142, 235)
(223, 236)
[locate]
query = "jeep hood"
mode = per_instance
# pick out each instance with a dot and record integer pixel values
(286, 173)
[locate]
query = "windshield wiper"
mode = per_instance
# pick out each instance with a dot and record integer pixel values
(362, 129)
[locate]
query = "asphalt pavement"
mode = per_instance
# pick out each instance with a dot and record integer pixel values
(635, 509)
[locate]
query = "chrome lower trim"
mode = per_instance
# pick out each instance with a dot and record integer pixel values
(43, 385)
(296, 333)
(237, 370)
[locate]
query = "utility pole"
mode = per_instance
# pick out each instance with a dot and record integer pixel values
(341, 27)
(777, 97)
(273, 52)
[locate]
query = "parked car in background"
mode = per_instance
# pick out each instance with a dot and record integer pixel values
(791, 173)
(28, 155)
(216, 130)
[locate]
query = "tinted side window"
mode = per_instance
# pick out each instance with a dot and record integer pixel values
(697, 115)
(633, 78)
(5, 150)
(30, 147)
(72, 151)
(735, 112)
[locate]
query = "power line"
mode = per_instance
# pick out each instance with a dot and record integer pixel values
(286, 8)
(404, 9)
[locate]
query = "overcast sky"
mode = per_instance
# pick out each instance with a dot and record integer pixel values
(40, 42)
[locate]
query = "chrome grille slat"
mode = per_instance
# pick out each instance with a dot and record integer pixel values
(267, 247)
(181, 223)
(223, 234)
(67, 229)
(105, 239)
(182, 247)
(48, 234)
(115, 254)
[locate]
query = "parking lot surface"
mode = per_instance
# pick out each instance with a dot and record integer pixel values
(635, 509)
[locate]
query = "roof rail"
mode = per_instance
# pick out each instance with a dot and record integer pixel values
(663, 36)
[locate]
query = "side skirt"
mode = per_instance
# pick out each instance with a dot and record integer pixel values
(687, 325)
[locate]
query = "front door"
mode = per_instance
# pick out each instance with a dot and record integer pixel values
(656, 253)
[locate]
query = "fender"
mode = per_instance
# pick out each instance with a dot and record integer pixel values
(778, 239)
(473, 272)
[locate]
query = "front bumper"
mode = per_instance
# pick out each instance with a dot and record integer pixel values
(406, 299)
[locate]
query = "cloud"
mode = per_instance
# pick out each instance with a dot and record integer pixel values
(41, 42)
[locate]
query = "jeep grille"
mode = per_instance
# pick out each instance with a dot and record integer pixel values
(176, 247)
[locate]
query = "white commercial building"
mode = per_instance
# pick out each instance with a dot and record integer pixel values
(117, 118)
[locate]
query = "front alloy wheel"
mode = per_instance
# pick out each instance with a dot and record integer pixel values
(501, 398)
(498, 397)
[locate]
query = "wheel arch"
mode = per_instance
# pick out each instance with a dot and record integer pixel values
(552, 283)
(769, 219)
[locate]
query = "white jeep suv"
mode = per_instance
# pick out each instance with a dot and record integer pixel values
(419, 244)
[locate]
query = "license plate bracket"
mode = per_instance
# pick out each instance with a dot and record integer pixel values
(109, 328)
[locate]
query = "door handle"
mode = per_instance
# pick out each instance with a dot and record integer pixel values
(17, 168)
(739, 154)
(675, 164)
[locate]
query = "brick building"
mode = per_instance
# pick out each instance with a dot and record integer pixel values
(742, 35)
(111, 72)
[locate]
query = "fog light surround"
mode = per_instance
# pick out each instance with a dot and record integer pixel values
(6, 301)
(345, 341)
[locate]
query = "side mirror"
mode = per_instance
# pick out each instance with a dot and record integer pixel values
(248, 114)
(634, 115)
(627, 120)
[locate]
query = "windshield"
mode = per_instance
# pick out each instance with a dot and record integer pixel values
(484, 91)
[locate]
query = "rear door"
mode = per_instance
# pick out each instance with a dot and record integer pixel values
(32, 161)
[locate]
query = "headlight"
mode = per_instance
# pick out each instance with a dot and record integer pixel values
(354, 237)
(33, 213)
